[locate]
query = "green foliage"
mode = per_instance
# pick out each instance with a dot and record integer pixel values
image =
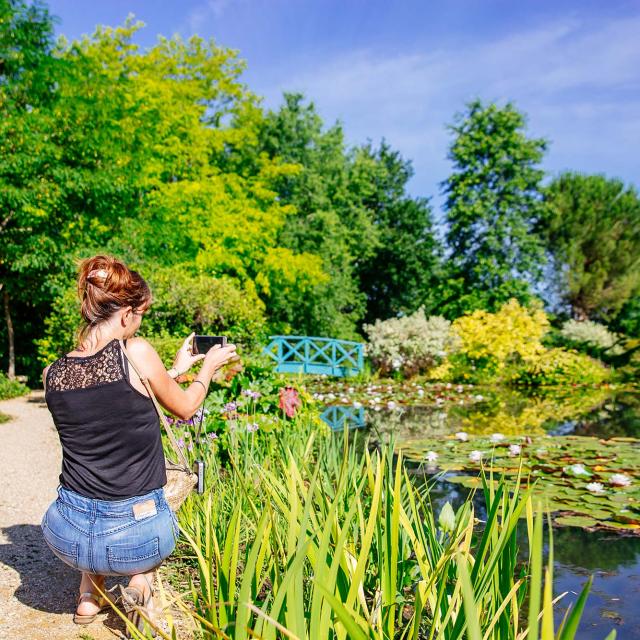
(11, 388)
(492, 343)
(591, 227)
(409, 345)
(401, 274)
(594, 479)
(493, 201)
(309, 536)
(186, 302)
(352, 210)
(558, 366)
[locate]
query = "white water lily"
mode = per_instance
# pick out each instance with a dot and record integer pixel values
(475, 456)
(577, 470)
(620, 480)
(595, 487)
(497, 437)
(515, 449)
(463, 436)
(431, 456)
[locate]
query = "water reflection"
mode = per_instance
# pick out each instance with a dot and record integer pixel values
(614, 561)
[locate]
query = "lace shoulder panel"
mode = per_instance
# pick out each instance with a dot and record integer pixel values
(102, 367)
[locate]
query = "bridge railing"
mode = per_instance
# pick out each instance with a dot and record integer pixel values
(306, 354)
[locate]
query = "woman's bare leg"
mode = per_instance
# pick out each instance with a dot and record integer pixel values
(143, 582)
(89, 583)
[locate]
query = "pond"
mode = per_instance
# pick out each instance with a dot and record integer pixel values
(566, 435)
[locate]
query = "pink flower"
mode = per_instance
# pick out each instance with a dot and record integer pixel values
(289, 401)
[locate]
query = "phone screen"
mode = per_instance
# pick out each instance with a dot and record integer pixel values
(202, 344)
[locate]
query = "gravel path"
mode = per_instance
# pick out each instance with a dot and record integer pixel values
(37, 591)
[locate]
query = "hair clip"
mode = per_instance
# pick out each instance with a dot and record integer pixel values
(100, 273)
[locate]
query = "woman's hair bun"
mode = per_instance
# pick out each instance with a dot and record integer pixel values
(106, 284)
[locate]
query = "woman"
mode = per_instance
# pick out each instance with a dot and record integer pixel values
(111, 516)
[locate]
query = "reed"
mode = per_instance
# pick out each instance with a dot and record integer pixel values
(324, 539)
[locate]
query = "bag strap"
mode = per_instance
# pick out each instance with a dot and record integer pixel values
(145, 381)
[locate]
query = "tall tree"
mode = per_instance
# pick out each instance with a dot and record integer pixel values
(26, 37)
(400, 275)
(329, 219)
(592, 229)
(493, 201)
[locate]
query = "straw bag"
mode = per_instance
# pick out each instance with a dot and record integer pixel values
(181, 480)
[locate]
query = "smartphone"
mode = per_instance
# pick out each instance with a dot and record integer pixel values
(202, 344)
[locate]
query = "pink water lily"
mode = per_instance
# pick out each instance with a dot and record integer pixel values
(620, 480)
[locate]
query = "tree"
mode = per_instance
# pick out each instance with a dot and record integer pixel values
(352, 209)
(592, 230)
(328, 220)
(26, 34)
(400, 275)
(493, 201)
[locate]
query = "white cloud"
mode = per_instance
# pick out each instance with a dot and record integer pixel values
(199, 17)
(578, 82)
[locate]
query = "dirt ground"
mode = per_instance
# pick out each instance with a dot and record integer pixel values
(37, 591)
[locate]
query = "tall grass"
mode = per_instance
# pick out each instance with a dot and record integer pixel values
(319, 540)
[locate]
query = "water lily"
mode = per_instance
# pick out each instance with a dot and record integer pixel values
(620, 480)
(391, 405)
(463, 436)
(515, 449)
(497, 437)
(475, 456)
(595, 487)
(431, 456)
(577, 470)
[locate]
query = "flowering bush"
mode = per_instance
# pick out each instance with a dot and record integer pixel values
(558, 366)
(595, 337)
(490, 342)
(409, 345)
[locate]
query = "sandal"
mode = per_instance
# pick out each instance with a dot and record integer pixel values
(137, 608)
(102, 602)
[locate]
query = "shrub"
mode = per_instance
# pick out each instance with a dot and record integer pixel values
(558, 366)
(491, 342)
(182, 303)
(409, 345)
(11, 388)
(590, 336)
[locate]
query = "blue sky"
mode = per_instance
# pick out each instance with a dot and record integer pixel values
(400, 69)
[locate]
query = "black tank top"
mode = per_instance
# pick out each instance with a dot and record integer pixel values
(109, 431)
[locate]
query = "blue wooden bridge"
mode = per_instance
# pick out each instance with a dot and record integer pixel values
(304, 354)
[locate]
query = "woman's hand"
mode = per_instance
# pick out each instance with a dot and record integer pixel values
(184, 358)
(219, 356)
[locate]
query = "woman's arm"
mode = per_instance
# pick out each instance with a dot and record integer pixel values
(181, 403)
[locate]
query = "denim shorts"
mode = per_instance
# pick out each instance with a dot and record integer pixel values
(105, 537)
